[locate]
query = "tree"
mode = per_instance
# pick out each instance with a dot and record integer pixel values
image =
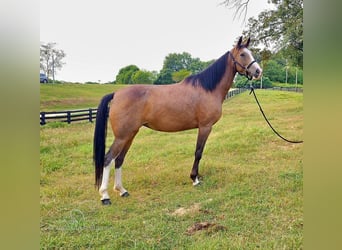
(143, 77)
(51, 59)
(240, 6)
(125, 75)
(274, 71)
(197, 65)
(164, 77)
(180, 75)
(281, 28)
(178, 61)
(183, 63)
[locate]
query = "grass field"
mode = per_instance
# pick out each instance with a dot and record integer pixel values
(54, 97)
(251, 195)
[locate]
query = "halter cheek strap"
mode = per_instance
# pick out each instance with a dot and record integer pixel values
(249, 65)
(244, 67)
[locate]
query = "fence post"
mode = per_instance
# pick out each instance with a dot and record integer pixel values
(68, 117)
(90, 115)
(42, 118)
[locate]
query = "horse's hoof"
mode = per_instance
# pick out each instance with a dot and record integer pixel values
(106, 202)
(125, 194)
(196, 182)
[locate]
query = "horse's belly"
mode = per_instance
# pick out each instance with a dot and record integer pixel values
(169, 123)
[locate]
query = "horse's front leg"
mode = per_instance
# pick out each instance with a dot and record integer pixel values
(203, 133)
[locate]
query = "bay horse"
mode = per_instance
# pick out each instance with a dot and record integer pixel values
(195, 102)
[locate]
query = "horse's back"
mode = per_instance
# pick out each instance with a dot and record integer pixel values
(169, 108)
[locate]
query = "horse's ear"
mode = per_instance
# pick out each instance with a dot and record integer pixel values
(239, 42)
(249, 39)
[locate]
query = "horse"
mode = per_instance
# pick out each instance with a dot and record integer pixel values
(195, 102)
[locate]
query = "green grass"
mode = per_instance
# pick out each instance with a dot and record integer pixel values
(287, 85)
(252, 185)
(54, 97)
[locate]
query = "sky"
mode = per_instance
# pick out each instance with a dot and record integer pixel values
(101, 37)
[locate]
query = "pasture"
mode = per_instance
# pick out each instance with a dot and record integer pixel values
(55, 97)
(251, 194)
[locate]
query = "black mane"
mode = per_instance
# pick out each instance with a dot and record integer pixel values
(211, 76)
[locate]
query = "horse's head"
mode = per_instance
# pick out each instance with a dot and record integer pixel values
(244, 61)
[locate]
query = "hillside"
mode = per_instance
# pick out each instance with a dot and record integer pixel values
(54, 97)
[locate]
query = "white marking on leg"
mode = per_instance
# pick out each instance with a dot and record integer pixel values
(118, 181)
(105, 180)
(196, 182)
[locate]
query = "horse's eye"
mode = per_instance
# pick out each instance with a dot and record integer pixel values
(242, 54)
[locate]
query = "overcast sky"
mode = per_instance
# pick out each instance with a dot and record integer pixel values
(101, 37)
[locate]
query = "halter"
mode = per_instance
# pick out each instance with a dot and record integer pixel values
(244, 67)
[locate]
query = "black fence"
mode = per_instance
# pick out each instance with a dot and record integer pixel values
(234, 92)
(68, 116)
(90, 114)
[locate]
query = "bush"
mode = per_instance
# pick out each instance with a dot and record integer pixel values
(241, 82)
(266, 83)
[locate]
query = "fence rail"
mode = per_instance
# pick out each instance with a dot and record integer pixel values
(68, 116)
(90, 114)
(234, 92)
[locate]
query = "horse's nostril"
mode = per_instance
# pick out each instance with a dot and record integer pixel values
(257, 71)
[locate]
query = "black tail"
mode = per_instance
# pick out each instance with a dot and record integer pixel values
(100, 137)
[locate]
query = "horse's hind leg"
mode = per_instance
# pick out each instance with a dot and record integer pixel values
(118, 170)
(105, 180)
(116, 152)
(112, 153)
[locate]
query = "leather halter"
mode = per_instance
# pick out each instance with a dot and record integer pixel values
(246, 68)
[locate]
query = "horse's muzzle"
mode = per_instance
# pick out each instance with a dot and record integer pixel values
(257, 74)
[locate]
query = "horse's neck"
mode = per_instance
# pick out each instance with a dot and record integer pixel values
(226, 81)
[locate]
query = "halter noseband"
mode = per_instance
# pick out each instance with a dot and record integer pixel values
(244, 67)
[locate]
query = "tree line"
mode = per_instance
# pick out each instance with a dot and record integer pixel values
(178, 66)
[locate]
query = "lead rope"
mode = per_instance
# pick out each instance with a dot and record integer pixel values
(263, 114)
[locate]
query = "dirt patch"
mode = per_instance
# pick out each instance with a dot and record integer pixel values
(183, 211)
(208, 226)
